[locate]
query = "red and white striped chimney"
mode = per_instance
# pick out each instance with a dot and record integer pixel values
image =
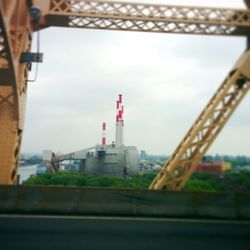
(104, 133)
(119, 122)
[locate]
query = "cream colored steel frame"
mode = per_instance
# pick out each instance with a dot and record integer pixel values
(15, 37)
(145, 17)
(195, 144)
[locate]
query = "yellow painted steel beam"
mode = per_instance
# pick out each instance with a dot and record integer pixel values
(111, 15)
(183, 162)
(15, 38)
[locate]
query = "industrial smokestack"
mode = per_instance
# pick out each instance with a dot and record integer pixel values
(119, 123)
(104, 133)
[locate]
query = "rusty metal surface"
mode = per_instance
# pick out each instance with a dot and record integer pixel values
(122, 202)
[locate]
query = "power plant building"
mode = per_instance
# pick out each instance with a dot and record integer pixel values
(109, 160)
(115, 159)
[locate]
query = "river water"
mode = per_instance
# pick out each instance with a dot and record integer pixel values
(26, 172)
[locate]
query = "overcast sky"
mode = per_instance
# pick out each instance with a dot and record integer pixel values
(166, 81)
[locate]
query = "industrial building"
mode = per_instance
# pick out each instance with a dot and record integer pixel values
(213, 167)
(108, 160)
(113, 159)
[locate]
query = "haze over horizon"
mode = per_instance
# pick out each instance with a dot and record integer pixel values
(166, 81)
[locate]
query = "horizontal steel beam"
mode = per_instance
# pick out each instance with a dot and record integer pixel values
(147, 17)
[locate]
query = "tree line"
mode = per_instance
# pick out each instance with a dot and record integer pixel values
(229, 181)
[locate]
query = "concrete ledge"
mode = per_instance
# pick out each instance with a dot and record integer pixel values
(123, 202)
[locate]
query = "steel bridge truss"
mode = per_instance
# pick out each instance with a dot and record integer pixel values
(147, 17)
(15, 38)
(183, 162)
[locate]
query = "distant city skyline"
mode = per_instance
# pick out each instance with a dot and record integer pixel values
(166, 80)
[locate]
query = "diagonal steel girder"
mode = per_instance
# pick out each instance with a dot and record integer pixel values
(183, 162)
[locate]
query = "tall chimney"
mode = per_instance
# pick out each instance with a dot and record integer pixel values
(104, 133)
(119, 123)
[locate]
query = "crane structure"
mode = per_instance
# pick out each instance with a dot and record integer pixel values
(18, 21)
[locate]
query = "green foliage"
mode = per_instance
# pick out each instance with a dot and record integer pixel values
(238, 181)
(229, 181)
(84, 180)
(196, 185)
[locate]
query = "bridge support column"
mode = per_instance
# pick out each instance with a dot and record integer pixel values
(15, 38)
(10, 137)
